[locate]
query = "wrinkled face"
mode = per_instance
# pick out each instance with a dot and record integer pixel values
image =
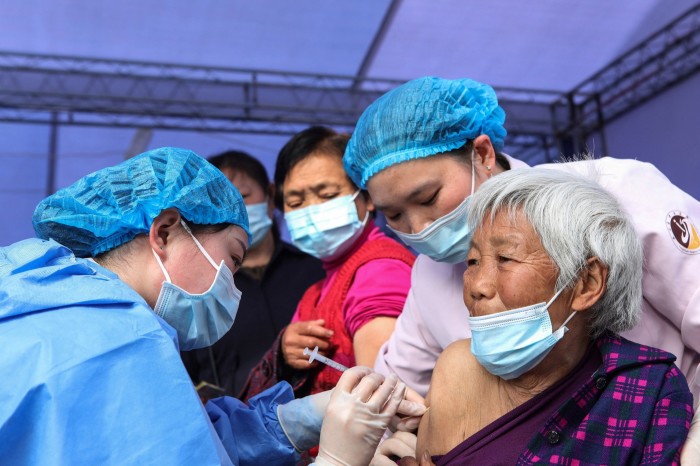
(317, 179)
(414, 194)
(508, 268)
(190, 269)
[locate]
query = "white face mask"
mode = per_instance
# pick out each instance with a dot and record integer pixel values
(448, 238)
(510, 343)
(259, 222)
(199, 319)
(326, 230)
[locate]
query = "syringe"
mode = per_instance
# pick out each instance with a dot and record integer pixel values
(314, 356)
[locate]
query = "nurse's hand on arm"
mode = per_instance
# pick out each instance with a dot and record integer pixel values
(301, 419)
(399, 445)
(304, 334)
(360, 409)
(406, 421)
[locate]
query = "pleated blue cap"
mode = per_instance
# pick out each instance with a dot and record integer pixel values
(109, 207)
(421, 118)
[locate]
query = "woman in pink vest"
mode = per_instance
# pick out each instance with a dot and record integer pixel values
(352, 311)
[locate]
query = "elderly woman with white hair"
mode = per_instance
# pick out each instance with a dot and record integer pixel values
(553, 277)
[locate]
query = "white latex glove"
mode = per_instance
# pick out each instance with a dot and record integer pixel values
(361, 406)
(411, 411)
(690, 454)
(397, 446)
(301, 419)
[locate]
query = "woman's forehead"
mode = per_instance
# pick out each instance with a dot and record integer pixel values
(506, 226)
(317, 170)
(411, 175)
(233, 238)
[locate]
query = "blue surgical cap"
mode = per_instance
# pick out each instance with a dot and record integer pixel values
(420, 118)
(109, 207)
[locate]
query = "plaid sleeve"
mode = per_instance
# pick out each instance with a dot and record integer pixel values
(670, 422)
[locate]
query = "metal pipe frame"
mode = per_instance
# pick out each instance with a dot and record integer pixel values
(65, 90)
(666, 58)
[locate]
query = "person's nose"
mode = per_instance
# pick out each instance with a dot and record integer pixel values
(416, 225)
(479, 283)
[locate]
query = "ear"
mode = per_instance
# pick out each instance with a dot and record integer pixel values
(164, 227)
(484, 153)
(369, 203)
(591, 286)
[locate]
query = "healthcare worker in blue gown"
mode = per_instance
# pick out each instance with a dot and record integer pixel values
(131, 262)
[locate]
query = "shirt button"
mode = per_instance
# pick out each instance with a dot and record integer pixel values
(600, 383)
(553, 437)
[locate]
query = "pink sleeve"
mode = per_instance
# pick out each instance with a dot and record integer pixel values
(378, 290)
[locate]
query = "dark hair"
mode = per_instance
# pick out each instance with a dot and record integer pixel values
(206, 229)
(121, 252)
(300, 146)
(245, 163)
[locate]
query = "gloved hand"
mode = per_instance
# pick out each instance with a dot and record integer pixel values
(397, 446)
(412, 409)
(690, 454)
(301, 419)
(361, 406)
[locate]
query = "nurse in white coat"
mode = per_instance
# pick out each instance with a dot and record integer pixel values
(424, 147)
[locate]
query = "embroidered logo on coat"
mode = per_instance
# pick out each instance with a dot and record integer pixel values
(683, 232)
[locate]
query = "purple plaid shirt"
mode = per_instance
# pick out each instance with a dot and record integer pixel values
(635, 409)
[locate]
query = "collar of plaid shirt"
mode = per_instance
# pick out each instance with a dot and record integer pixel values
(636, 409)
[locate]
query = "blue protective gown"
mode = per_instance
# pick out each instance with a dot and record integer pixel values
(90, 375)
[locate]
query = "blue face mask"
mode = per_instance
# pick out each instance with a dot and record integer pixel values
(199, 319)
(259, 222)
(448, 238)
(510, 343)
(326, 230)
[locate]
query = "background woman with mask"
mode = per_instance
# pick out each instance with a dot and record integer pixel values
(272, 279)
(134, 261)
(412, 149)
(351, 312)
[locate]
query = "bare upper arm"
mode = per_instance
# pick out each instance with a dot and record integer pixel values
(446, 401)
(370, 337)
(463, 398)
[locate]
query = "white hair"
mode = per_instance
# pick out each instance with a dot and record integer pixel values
(576, 219)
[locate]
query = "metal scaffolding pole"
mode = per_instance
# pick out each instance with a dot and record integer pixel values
(117, 93)
(664, 59)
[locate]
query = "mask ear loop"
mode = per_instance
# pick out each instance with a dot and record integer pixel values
(162, 267)
(364, 222)
(199, 245)
(568, 319)
(357, 193)
(556, 295)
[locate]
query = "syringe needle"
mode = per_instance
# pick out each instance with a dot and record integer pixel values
(314, 356)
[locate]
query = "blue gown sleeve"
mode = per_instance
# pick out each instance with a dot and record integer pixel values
(252, 434)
